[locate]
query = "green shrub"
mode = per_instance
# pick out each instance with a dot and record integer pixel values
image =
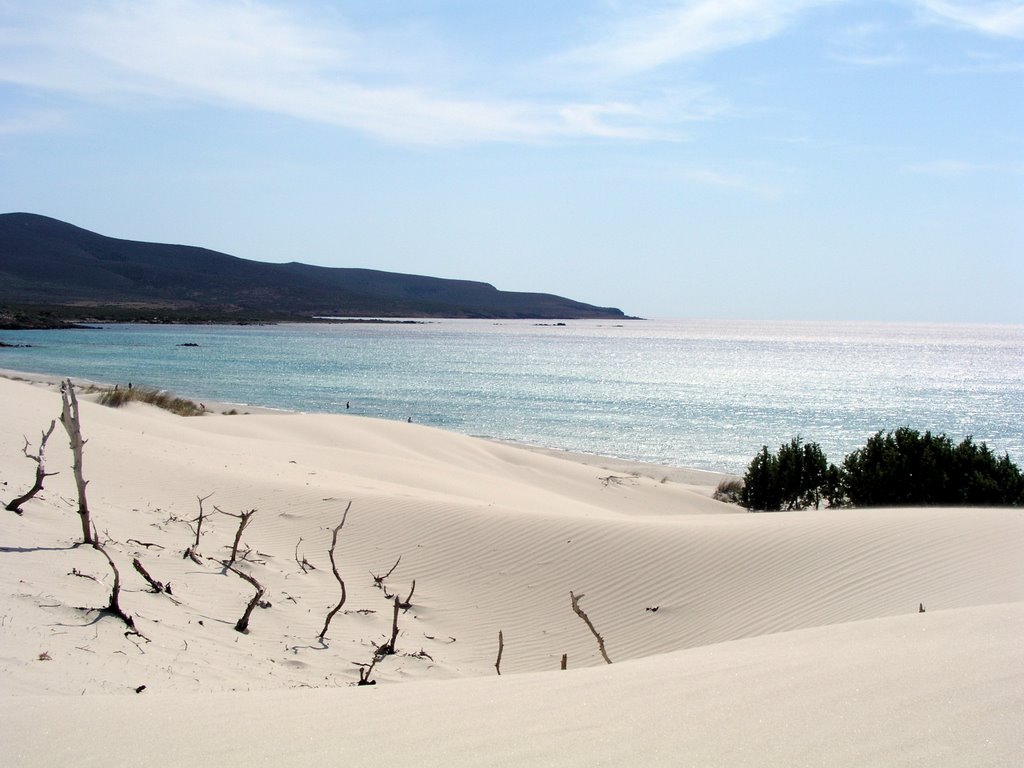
(899, 468)
(906, 468)
(795, 478)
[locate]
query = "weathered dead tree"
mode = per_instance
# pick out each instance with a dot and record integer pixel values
(242, 625)
(586, 619)
(334, 569)
(14, 505)
(193, 551)
(389, 647)
(378, 581)
(501, 650)
(69, 417)
(244, 519)
(154, 585)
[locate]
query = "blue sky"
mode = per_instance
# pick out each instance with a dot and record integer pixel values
(796, 159)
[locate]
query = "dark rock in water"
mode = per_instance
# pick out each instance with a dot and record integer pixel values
(187, 344)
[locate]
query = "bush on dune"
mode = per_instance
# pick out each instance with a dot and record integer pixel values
(899, 468)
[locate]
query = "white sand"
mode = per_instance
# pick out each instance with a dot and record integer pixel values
(785, 639)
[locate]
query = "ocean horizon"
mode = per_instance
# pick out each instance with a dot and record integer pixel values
(705, 394)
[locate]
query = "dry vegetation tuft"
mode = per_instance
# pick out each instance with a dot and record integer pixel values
(117, 397)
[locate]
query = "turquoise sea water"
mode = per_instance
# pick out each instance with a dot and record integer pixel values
(703, 394)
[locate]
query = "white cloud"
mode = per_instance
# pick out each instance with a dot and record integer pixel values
(242, 53)
(687, 29)
(1001, 18)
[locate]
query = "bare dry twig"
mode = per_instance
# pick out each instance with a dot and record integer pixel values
(193, 552)
(582, 614)
(244, 518)
(334, 569)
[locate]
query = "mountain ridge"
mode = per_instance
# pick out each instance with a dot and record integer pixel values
(45, 262)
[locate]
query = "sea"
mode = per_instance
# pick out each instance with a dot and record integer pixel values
(704, 394)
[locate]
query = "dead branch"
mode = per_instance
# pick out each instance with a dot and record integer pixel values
(243, 521)
(146, 544)
(501, 649)
(406, 604)
(389, 647)
(378, 581)
(580, 612)
(76, 572)
(364, 673)
(41, 474)
(114, 606)
(242, 625)
(69, 417)
(193, 552)
(334, 569)
(154, 585)
(304, 564)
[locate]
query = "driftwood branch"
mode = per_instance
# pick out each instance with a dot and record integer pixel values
(193, 551)
(389, 647)
(69, 418)
(378, 581)
(242, 625)
(501, 649)
(304, 564)
(364, 673)
(244, 519)
(154, 585)
(406, 604)
(586, 619)
(114, 605)
(41, 474)
(334, 569)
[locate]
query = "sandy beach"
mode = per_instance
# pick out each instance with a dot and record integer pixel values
(787, 639)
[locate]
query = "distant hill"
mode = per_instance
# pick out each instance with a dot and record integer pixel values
(49, 263)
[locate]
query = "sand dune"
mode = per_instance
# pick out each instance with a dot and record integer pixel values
(784, 639)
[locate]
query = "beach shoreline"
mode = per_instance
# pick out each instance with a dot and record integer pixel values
(813, 637)
(688, 475)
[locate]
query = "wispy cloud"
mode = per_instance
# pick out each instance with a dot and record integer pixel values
(653, 38)
(249, 54)
(31, 122)
(962, 168)
(1001, 18)
(866, 45)
(732, 181)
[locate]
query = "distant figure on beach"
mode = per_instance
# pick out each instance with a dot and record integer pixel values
(129, 386)
(410, 419)
(347, 406)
